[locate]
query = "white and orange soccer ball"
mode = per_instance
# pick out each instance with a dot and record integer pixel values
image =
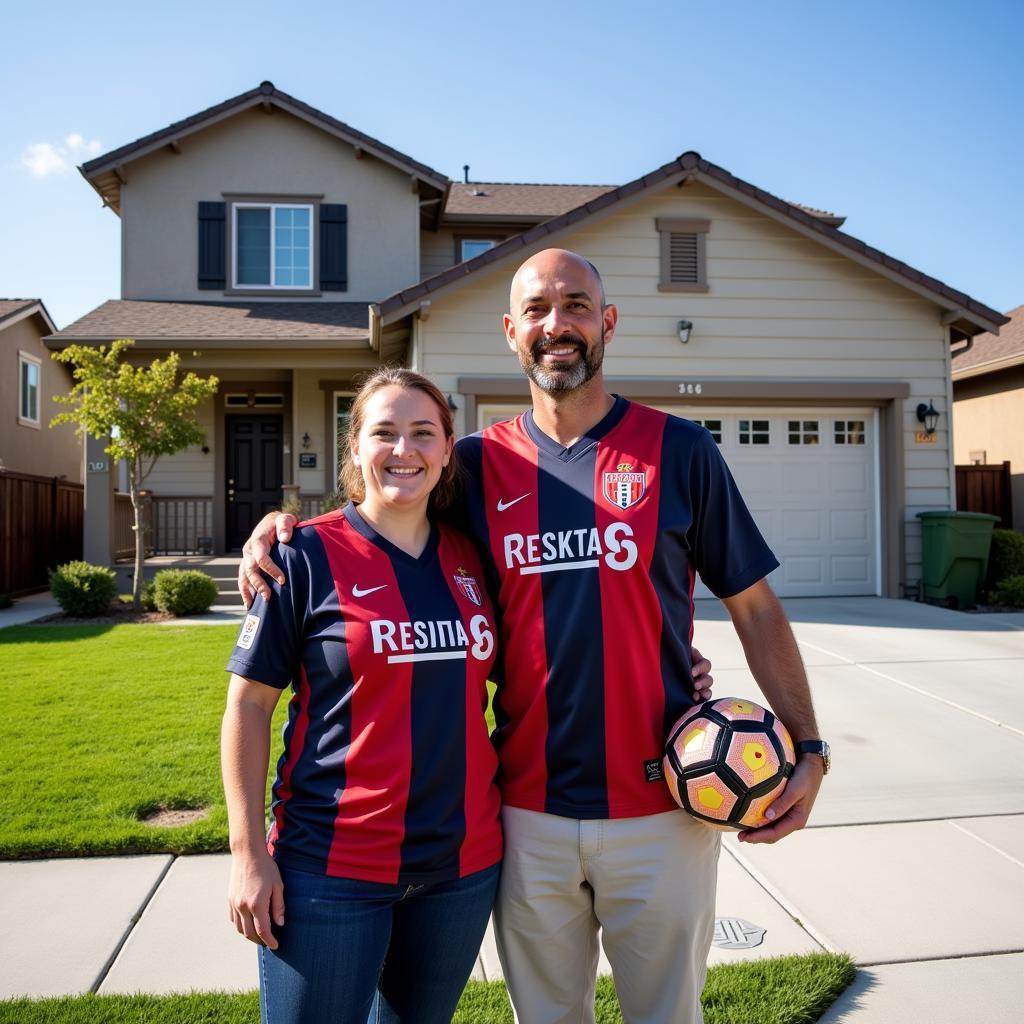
(726, 760)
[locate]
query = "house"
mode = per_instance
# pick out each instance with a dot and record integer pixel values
(293, 252)
(29, 380)
(988, 405)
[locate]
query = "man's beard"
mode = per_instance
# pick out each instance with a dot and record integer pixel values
(553, 380)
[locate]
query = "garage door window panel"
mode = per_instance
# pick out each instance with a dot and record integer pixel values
(849, 432)
(713, 427)
(803, 432)
(755, 432)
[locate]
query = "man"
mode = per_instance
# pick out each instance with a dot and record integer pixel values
(597, 512)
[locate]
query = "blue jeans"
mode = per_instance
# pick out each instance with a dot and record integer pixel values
(344, 940)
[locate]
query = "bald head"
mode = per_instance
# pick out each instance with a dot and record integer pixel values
(555, 266)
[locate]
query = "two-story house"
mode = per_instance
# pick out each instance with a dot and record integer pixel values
(291, 252)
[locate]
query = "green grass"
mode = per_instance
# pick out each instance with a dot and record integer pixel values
(786, 990)
(106, 724)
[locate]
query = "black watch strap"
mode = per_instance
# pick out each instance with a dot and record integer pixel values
(819, 747)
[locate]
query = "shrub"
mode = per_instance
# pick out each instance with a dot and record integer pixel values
(83, 589)
(1010, 591)
(1006, 557)
(148, 596)
(183, 591)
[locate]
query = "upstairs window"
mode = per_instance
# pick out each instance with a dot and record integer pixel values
(683, 255)
(467, 248)
(273, 245)
(28, 390)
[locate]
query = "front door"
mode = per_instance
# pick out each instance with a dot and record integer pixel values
(254, 457)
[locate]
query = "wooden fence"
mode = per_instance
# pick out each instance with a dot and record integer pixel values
(40, 528)
(986, 489)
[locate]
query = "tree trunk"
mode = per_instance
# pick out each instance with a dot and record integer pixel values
(134, 486)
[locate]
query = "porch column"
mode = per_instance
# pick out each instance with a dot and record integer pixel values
(98, 530)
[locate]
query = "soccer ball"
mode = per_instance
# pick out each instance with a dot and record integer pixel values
(726, 760)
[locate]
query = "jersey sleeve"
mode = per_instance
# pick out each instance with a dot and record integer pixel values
(269, 643)
(728, 550)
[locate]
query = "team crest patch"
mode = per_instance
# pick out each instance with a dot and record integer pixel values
(468, 586)
(624, 488)
(248, 634)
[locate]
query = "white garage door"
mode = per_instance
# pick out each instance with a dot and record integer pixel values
(810, 478)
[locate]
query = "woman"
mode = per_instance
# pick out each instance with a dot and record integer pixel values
(382, 860)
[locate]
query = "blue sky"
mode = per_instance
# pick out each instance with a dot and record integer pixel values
(904, 116)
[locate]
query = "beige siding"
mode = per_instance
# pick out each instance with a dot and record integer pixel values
(988, 416)
(42, 450)
(437, 252)
(189, 472)
(274, 154)
(780, 307)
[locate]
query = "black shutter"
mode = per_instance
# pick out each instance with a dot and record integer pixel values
(212, 247)
(333, 247)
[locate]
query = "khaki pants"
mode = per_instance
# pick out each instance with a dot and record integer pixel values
(648, 883)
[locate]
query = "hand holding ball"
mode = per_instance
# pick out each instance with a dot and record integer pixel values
(727, 760)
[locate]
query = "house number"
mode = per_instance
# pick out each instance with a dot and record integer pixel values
(97, 467)
(691, 389)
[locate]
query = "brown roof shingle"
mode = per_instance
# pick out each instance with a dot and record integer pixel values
(517, 200)
(994, 348)
(228, 321)
(8, 307)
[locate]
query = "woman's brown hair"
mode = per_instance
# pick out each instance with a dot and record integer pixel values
(350, 477)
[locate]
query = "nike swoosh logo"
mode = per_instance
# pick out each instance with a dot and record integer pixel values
(502, 505)
(356, 592)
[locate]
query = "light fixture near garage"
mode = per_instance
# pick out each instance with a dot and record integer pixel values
(928, 415)
(306, 440)
(685, 326)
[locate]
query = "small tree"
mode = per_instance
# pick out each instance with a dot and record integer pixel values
(146, 410)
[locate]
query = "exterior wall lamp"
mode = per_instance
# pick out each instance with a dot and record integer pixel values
(685, 326)
(306, 440)
(929, 416)
(451, 404)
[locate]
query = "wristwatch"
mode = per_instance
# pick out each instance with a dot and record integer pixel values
(819, 747)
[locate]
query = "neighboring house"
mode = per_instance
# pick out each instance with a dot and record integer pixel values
(294, 253)
(988, 410)
(28, 382)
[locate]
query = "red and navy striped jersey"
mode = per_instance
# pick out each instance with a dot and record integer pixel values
(387, 773)
(595, 549)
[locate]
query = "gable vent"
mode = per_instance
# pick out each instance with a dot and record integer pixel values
(683, 258)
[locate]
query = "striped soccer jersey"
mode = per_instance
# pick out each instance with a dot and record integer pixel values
(387, 773)
(595, 548)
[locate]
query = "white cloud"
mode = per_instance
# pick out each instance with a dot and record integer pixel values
(44, 158)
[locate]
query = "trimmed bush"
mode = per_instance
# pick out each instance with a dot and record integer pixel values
(183, 591)
(148, 596)
(1010, 591)
(1006, 557)
(83, 589)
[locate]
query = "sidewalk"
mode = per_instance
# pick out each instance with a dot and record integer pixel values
(914, 864)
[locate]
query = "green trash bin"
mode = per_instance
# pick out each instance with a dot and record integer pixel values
(955, 555)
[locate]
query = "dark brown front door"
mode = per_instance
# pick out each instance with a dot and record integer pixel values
(254, 457)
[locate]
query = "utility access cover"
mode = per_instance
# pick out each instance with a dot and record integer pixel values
(735, 933)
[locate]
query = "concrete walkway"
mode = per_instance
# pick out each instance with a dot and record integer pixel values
(914, 863)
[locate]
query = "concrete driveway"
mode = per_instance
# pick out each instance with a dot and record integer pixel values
(913, 862)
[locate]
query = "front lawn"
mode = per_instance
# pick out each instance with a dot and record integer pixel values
(786, 990)
(107, 724)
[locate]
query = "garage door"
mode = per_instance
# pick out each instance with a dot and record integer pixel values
(810, 478)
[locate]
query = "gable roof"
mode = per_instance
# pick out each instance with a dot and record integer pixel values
(13, 310)
(965, 314)
(105, 172)
(992, 352)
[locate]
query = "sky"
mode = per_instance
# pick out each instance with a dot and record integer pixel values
(904, 116)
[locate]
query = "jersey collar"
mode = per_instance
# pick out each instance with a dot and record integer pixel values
(395, 553)
(548, 444)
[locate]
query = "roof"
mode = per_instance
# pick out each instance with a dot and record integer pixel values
(965, 314)
(104, 173)
(992, 352)
(12, 310)
(520, 201)
(318, 323)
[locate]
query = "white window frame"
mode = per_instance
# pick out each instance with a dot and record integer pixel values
(333, 482)
(25, 359)
(235, 207)
(491, 243)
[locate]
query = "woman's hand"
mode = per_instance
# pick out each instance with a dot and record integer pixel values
(701, 674)
(255, 896)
